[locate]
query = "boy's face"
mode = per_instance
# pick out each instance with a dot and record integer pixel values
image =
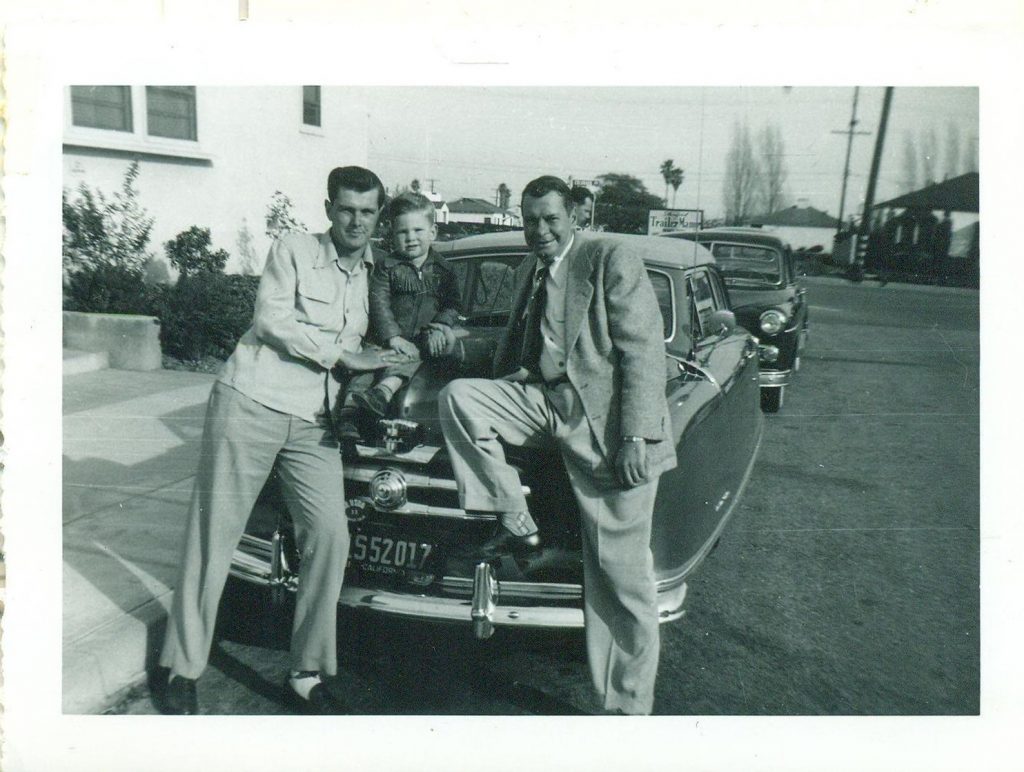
(412, 234)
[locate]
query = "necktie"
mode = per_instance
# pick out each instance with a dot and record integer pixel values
(533, 341)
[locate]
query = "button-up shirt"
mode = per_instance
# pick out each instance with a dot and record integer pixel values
(309, 310)
(552, 325)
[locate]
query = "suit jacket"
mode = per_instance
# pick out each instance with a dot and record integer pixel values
(614, 344)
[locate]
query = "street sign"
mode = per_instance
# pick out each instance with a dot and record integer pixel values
(671, 220)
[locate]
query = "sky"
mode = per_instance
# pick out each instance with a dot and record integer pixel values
(469, 140)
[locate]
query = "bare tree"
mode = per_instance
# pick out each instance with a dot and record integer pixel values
(772, 152)
(909, 181)
(929, 156)
(952, 159)
(666, 174)
(739, 187)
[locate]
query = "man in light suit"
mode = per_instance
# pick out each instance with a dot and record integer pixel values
(580, 367)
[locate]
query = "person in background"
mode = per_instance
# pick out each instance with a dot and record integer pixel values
(269, 406)
(583, 206)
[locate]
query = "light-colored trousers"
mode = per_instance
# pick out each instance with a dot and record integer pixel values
(241, 441)
(619, 595)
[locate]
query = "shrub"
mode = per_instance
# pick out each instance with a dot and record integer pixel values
(110, 289)
(101, 231)
(279, 218)
(190, 253)
(205, 314)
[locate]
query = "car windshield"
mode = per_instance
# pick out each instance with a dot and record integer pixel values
(746, 264)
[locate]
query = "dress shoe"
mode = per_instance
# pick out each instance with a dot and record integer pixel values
(504, 542)
(374, 400)
(180, 698)
(321, 701)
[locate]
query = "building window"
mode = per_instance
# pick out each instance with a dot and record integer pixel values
(102, 107)
(311, 105)
(171, 112)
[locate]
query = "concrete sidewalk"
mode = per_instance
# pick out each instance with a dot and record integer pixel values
(130, 452)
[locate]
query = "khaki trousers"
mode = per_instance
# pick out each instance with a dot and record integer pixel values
(241, 441)
(620, 599)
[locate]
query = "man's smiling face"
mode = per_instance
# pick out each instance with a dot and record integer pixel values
(353, 217)
(547, 223)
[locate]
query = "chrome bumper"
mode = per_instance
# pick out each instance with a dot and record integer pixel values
(261, 562)
(774, 378)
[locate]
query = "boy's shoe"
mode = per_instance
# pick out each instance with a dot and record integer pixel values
(180, 698)
(346, 425)
(375, 400)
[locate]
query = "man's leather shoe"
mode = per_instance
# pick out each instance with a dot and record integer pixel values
(321, 701)
(504, 542)
(180, 698)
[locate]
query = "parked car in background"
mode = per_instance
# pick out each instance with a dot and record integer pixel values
(766, 296)
(409, 533)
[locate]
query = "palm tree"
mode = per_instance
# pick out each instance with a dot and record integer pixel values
(504, 195)
(675, 180)
(666, 174)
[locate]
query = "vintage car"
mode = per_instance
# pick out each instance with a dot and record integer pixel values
(408, 532)
(761, 277)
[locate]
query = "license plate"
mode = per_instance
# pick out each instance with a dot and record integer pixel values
(375, 553)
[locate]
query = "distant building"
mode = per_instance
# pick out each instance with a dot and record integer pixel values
(480, 212)
(801, 225)
(441, 212)
(214, 156)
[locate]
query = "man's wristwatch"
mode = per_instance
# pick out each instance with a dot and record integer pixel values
(632, 438)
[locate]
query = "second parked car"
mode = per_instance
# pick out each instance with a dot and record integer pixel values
(766, 297)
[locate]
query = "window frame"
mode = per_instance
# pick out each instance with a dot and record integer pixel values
(138, 141)
(129, 115)
(194, 114)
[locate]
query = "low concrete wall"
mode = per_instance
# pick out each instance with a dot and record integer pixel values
(132, 342)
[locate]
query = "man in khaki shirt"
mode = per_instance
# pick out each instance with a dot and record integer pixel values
(268, 406)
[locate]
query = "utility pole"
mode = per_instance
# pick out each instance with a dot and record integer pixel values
(432, 180)
(850, 132)
(869, 198)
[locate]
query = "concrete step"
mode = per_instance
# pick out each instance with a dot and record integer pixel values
(77, 362)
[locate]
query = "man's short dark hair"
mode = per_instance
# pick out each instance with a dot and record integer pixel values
(354, 178)
(411, 202)
(541, 186)
(580, 194)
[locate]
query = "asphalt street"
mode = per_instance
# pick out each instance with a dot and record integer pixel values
(847, 582)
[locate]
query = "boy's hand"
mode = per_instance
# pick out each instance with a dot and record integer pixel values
(438, 341)
(404, 347)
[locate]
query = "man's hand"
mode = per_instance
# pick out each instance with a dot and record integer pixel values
(403, 346)
(519, 376)
(371, 359)
(631, 464)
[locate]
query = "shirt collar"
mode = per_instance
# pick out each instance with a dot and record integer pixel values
(557, 259)
(329, 254)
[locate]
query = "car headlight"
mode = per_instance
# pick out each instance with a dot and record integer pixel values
(772, 321)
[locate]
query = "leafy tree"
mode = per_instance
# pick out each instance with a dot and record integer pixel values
(101, 231)
(414, 186)
(252, 265)
(739, 188)
(279, 218)
(772, 152)
(190, 253)
(624, 202)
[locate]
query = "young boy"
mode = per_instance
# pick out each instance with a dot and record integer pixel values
(414, 297)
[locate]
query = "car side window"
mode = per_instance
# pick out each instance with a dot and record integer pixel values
(663, 293)
(485, 284)
(703, 300)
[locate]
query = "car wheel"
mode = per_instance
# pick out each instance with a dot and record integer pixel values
(771, 399)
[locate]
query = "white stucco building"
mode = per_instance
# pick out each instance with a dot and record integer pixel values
(214, 156)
